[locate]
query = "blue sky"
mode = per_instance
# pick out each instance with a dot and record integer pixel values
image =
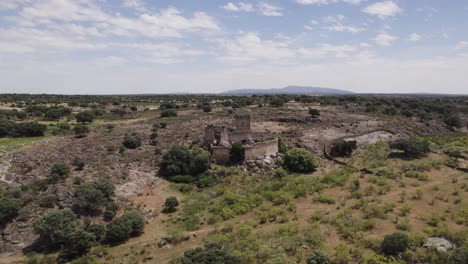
(164, 46)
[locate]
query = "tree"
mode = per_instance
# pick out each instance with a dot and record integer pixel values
(81, 130)
(120, 229)
(453, 120)
(180, 160)
(300, 160)
(9, 207)
(131, 141)
(277, 102)
(135, 221)
(210, 254)
(412, 148)
(92, 197)
(455, 154)
(55, 227)
(236, 154)
(314, 112)
(343, 147)
(170, 204)
(85, 117)
(117, 231)
(79, 164)
(168, 113)
(318, 257)
(394, 244)
(59, 171)
(78, 243)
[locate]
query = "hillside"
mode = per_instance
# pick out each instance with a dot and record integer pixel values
(290, 90)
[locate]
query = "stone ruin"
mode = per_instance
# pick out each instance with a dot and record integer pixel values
(257, 145)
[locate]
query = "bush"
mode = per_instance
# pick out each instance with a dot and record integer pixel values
(318, 257)
(236, 154)
(210, 254)
(300, 160)
(343, 147)
(59, 171)
(9, 207)
(55, 227)
(79, 164)
(280, 173)
(411, 147)
(314, 112)
(92, 197)
(24, 129)
(78, 243)
(117, 231)
(394, 244)
(121, 229)
(168, 113)
(81, 130)
(453, 121)
(84, 117)
(170, 204)
(180, 160)
(455, 154)
(131, 141)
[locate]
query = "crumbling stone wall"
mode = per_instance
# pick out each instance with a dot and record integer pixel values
(243, 123)
(220, 154)
(261, 149)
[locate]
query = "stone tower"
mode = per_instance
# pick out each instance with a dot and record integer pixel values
(243, 123)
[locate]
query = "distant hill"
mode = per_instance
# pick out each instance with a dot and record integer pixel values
(289, 90)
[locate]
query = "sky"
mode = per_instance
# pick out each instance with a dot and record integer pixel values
(210, 46)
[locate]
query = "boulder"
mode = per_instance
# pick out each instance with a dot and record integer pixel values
(438, 243)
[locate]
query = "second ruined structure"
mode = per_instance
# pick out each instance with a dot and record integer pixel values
(257, 145)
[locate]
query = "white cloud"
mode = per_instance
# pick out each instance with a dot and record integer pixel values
(135, 4)
(12, 4)
(415, 37)
(336, 23)
(385, 39)
(327, 2)
(239, 7)
(383, 9)
(269, 10)
(462, 45)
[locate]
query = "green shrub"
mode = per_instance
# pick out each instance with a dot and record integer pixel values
(211, 254)
(92, 197)
(131, 141)
(236, 154)
(314, 112)
(170, 205)
(394, 244)
(9, 207)
(54, 228)
(281, 173)
(117, 231)
(81, 130)
(300, 160)
(135, 221)
(59, 171)
(412, 148)
(180, 160)
(343, 148)
(85, 117)
(79, 164)
(168, 113)
(78, 243)
(318, 257)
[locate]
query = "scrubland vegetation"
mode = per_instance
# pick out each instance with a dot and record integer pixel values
(128, 180)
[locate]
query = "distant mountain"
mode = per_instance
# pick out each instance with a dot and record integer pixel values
(289, 90)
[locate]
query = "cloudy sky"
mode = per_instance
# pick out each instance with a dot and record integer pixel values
(164, 46)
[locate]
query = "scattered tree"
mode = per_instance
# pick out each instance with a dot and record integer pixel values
(9, 207)
(412, 148)
(85, 117)
(314, 112)
(394, 244)
(343, 148)
(81, 130)
(168, 113)
(131, 141)
(212, 253)
(236, 154)
(318, 257)
(171, 204)
(300, 160)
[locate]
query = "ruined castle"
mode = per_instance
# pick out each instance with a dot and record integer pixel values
(257, 145)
